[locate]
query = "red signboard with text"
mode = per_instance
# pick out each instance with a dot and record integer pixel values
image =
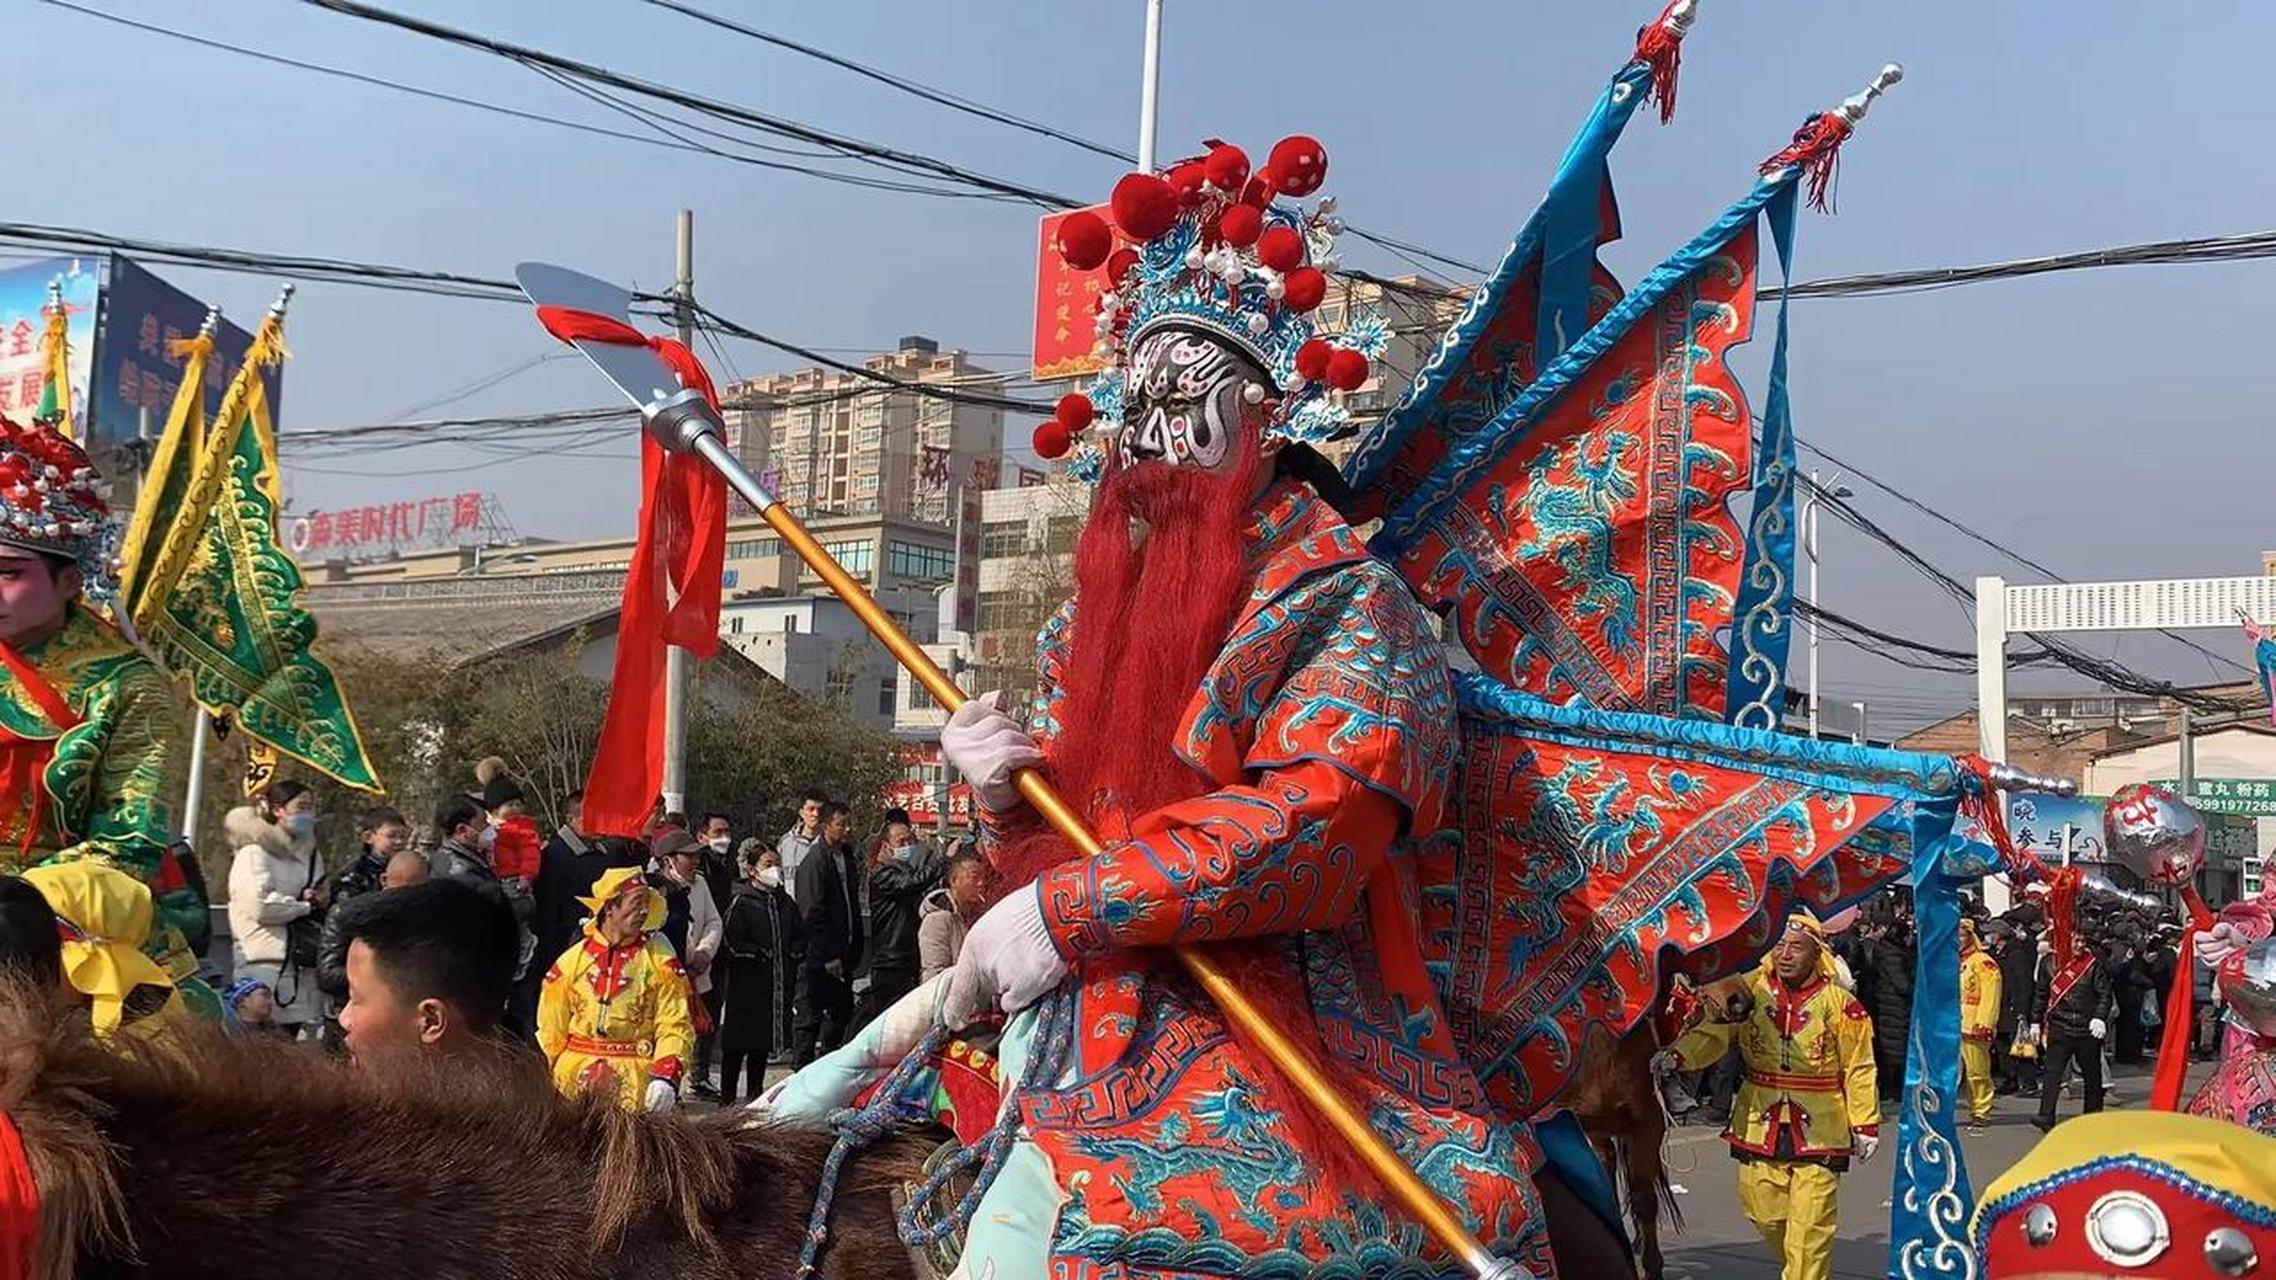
(1066, 303)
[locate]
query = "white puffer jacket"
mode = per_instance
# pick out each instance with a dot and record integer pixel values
(265, 880)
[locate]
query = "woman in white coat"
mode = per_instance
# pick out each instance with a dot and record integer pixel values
(275, 881)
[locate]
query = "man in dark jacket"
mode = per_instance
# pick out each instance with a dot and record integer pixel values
(460, 822)
(405, 867)
(900, 876)
(567, 867)
(829, 905)
(1888, 991)
(382, 831)
(2017, 951)
(2072, 1004)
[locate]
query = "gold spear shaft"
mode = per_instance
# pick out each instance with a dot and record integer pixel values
(684, 422)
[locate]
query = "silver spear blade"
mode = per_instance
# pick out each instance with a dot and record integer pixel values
(637, 371)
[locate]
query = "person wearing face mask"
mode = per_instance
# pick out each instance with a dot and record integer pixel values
(902, 872)
(277, 897)
(692, 925)
(762, 949)
(464, 854)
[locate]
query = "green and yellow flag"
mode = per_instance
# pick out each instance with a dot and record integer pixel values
(212, 594)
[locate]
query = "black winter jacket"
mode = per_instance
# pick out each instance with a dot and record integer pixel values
(353, 881)
(1890, 1002)
(829, 905)
(2018, 964)
(2088, 999)
(896, 905)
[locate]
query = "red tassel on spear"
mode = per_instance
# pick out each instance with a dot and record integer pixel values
(1817, 144)
(1661, 46)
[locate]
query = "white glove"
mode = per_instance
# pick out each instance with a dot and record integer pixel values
(988, 747)
(2219, 943)
(1665, 1063)
(2096, 1028)
(1863, 1145)
(662, 1095)
(1008, 962)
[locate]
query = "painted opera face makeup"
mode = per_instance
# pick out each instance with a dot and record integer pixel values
(1187, 396)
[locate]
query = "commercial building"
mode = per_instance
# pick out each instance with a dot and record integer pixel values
(829, 440)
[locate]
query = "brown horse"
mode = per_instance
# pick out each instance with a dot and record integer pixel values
(1618, 1103)
(235, 1161)
(227, 1160)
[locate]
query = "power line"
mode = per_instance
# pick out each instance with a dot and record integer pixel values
(447, 284)
(905, 162)
(939, 96)
(1986, 540)
(2103, 670)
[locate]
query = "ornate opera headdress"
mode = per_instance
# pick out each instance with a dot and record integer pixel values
(1202, 247)
(52, 501)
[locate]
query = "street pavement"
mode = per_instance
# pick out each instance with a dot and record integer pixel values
(1717, 1242)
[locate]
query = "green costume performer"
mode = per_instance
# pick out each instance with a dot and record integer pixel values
(86, 721)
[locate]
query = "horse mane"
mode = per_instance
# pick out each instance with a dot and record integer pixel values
(184, 1133)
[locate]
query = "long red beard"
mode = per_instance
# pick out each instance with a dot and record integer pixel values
(1152, 613)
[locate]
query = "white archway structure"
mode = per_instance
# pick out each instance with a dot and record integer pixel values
(2173, 604)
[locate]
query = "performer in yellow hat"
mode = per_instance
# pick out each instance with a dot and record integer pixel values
(2156, 1195)
(614, 1009)
(1979, 1020)
(1808, 1103)
(104, 916)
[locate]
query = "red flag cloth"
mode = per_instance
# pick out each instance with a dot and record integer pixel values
(19, 1206)
(2180, 1000)
(671, 591)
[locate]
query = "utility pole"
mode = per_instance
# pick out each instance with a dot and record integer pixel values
(2187, 745)
(676, 658)
(1810, 550)
(1149, 88)
(1860, 706)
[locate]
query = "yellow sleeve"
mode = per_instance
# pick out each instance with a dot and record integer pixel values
(1704, 1045)
(1859, 1086)
(1979, 997)
(553, 1007)
(675, 1027)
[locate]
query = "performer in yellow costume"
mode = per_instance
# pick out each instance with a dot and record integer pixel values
(1979, 1019)
(614, 1010)
(1808, 1103)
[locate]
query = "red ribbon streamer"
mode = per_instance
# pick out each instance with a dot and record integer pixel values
(19, 1206)
(671, 590)
(2180, 1005)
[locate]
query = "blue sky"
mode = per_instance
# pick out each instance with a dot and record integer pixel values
(2113, 424)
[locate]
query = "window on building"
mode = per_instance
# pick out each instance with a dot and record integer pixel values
(921, 698)
(1060, 531)
(858, 556)
(885, 696)
(1004, 610)
(1003, 539)
(753, 548)
(918, 561)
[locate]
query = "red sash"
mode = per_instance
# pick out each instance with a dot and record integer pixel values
(2066, 978)
(24, 761)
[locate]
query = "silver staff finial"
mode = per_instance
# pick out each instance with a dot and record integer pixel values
(212, 322)
(1680, 17)
(284, 299)
(1854, 108)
